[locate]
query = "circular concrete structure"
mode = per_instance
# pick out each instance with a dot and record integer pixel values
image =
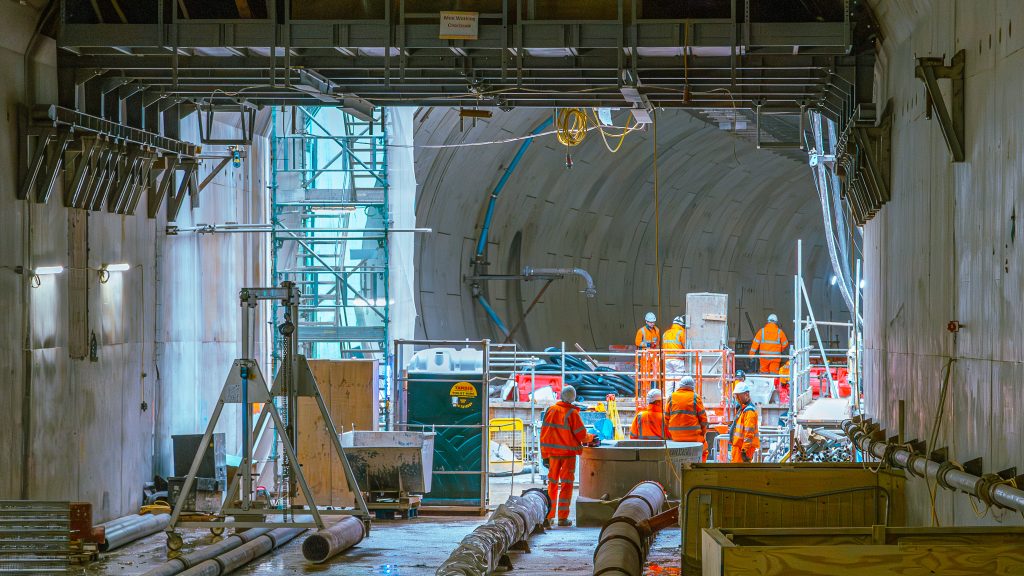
(611, 470)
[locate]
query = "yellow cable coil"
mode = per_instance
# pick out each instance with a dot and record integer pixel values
(570, 126)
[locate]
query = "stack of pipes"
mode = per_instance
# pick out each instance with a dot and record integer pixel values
(130, 528)
(481, 551)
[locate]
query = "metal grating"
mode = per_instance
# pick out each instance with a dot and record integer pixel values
(35, 537)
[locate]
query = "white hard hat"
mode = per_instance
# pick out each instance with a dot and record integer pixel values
(741, 388)
(679, 320)
(687, 382)
(568, 394)
(773, 318)
(650, 317)
(653, 395)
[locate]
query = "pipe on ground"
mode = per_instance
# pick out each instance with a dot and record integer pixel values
(482, 549)
(130, 528)
(232, 560)
(989, 489)
(184, 562)
(623, 543)
(328, 542)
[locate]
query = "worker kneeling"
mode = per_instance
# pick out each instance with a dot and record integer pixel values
(649, 424)
(562, 437)
(687, 420)
(743, 435)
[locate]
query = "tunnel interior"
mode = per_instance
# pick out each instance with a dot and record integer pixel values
(728, 221)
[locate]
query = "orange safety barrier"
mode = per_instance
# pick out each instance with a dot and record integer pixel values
(650, 373)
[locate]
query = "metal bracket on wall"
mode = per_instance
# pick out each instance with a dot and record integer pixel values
(951, 119)
(863, 162)
(186, 186)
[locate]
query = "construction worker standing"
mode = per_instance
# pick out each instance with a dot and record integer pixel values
(648, 335)
(687, 421)
(649, 423)
(743, 433)
(770, 340)
(562, 437)
(673, 342)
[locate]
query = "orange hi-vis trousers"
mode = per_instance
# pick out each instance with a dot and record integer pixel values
(561, 474)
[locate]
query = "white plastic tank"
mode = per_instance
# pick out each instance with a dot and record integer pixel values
(447, 361)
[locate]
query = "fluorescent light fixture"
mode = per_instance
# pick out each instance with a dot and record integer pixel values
(834, 280)
(116, 267)
(862, 283)
(47, 270)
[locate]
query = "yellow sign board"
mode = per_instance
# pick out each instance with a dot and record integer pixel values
(462, 393)
(459, 25)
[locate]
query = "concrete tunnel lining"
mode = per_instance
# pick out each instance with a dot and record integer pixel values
(730, 219)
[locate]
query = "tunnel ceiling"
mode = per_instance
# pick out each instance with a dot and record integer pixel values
(730, 217)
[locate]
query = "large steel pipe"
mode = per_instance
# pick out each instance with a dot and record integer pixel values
(184, 562)
(232, 560)
(325, 543)
(990, 488)
(624, 540)
(482, 549)
(130, 528)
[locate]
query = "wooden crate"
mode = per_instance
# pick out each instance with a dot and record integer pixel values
(866, 551)
(784, 496)
(349, 388)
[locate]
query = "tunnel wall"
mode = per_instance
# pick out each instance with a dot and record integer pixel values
(730, 219)
(74, 429)
(945, 248)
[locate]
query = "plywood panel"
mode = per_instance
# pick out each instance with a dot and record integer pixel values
(735, 496)
(349, 389)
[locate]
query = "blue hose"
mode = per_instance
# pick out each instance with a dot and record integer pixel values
(482, 243)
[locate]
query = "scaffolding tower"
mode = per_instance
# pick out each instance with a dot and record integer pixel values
(330, 219)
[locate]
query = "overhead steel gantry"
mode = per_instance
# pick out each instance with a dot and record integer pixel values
(737, 53)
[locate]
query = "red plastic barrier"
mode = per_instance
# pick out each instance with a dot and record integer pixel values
(543, 380)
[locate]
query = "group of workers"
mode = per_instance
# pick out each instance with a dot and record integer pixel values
(563, 434)
(685, 420)
(769, 343)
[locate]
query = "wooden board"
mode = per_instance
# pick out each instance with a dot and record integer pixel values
(732, 496)
(863, 551)
(349, 389)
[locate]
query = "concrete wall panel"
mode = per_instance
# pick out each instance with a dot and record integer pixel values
(945, 247)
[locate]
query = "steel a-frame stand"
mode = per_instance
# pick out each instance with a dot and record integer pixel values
(246, 386)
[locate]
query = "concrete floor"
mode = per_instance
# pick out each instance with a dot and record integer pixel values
(406, 548)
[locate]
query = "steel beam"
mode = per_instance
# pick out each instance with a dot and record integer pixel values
(951, 119)
(80, 122)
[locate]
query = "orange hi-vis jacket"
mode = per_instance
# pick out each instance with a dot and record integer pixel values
(649, 424)
(687, 421)
(769, 340)
(674, 338)
(647, 337)
(743, 434)
(563, 432)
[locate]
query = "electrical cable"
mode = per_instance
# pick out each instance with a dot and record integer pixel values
(570, 126)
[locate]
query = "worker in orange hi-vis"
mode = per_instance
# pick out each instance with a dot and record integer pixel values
(743, 434)
(687, 420)
(770, 340)
(562, 437)
(649, 424)
(673, 341)
(648, 368)
(648, 335)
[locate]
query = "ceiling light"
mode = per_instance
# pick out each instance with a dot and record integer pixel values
(116, 267)
(47, 270)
